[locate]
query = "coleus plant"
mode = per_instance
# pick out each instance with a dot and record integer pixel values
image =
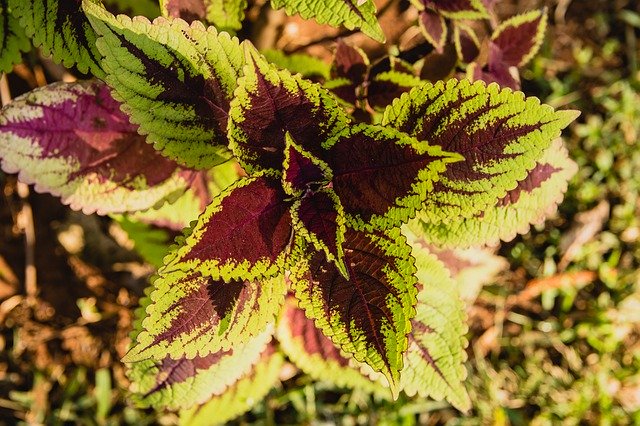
(324, 239)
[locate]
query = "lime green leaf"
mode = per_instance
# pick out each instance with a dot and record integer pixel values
(240, 397)
(151, 244)
(500, 133)
(352, 14)
(434, 361)
(146, 8)
(61, 28)
(176, 81)
(298, 63)
(14, 41)
(184, 382)
(367, 315)
(532, 200)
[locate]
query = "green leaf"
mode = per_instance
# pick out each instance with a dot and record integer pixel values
(352, 14)
(71, 140)
(269, 103)
(316, 354)
(151, 244)
(434, 361)
(226, 15)
(368, 315)
(240, 397)
(61, 28)
(13, 38)
(146, 8)
(500, 133)
(176, 81)
(184, 382)
(215, 290)
(306, 65)
(532, 200)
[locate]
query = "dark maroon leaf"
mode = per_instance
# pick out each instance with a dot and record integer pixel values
(301, 171)
(469, 49)
(371, 169)
(252, 223)
(517, 42)
(350, 63)
(439, 66)
(434, 28)
(381, 93)
(318, 212)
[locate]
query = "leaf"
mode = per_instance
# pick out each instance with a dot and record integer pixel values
(381, 176)
(224, 14)
(240, 397)
(496, 71)
(176, 81)
(213, 290)
(466, 42)
(151, 244)
(352, 14)
(147, 8)
(349, 62)
(534, 198)
(269, 103)
(72, 140)
(62, 30)
(520, 37)
(387, 86)
(318, 217)
(306, 65)
(459, 9)
(204, 187)
(368, 315)
(434, 28)
(439, 65)
(302, 171)
(501, 134)
(182, 383)
(316, 354)
(434, 361)
(14, 41)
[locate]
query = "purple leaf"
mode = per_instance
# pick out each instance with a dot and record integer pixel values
(434, 28)
(72, 140)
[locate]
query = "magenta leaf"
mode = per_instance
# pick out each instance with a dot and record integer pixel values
(72, 140)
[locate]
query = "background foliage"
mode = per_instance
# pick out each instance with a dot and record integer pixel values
(553, 337)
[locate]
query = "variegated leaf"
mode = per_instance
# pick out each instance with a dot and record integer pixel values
(215, 289)
(353, 14)
(302, 172)
(439, 65)
(315, 354)
(318, 217)
(501, 135)
(520, 37)
(13, 39)
(204, 187)
(389, 85)
(466, 42)
(368, 315)
(72, 140)
(459, 9)
(271, 102)
(349, 62)
(61, 28)
(434, 28)
(176, 81)
(533, 199)
(240, 397)
(381, 175)
(184, 382)
(434, 361)
(224, 14)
